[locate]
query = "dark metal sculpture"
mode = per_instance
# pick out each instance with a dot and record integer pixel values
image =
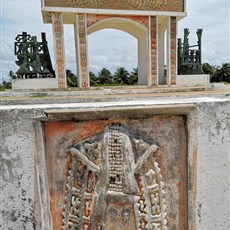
(189, 57)
(33, 57)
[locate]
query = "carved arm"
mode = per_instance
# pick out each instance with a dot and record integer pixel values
(144, 157)
(85, 160)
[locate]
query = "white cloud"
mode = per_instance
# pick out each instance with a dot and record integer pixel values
(117, 47)
(18, 16)
(213, 18)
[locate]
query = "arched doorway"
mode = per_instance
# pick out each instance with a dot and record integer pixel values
(112, 50)
(135, 29)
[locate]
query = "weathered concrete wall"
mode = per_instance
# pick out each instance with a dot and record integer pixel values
(36, 83)
(213, 166)
(20, 207)
(193, 80)
(17, 170)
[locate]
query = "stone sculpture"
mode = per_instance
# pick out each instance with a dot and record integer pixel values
(33, 57)
(189, 57)
(114, 183)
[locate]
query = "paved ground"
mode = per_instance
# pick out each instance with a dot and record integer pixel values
(16, 97)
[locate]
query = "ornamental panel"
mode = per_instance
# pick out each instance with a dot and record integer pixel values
(140, 5)
(118, 173)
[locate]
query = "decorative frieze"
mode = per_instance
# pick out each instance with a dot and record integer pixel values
(173, 49)
(82, 55)
(114, 183)
(94, 18)
(154, 49)
(59, 49)
(142, 5)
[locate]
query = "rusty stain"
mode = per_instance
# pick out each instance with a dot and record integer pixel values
(194, 165)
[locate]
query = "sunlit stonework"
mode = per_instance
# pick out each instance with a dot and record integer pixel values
(160, 5)
(132, 3)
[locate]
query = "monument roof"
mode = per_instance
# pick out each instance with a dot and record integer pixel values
(175, 8)
(140, 5)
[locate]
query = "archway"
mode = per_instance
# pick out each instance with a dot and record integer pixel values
(111, 49)
(139, 32)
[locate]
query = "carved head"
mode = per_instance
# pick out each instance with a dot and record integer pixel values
(125, 215)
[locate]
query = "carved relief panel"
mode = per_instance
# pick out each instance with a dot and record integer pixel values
(95, 18)
(117, 174)
(146, 5)
(118, 186)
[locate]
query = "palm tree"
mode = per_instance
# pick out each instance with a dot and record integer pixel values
(208, 69)
(104, 77)
(93, 79)
(121, 76)
(5, 85)
(223, 72)
(71, 79)
(134, 76)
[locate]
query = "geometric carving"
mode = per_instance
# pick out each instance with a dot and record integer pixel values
(95, 18)
(114, 182)
(173, 49)
(82, 46)
(153, 30)
(59, 49)
(149, 5)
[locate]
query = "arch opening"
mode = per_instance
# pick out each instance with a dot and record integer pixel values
(131, 30)
(70, 57)
(111, 61)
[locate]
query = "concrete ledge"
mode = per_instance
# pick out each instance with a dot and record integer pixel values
(193, 80)
(36, 83)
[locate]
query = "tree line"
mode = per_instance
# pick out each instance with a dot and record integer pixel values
(217, 73)
(123, 77)
(104, 77)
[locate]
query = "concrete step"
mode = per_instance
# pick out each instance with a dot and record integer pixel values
(100, 94)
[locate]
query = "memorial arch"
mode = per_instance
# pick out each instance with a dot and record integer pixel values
(135, 29)
(145, 20)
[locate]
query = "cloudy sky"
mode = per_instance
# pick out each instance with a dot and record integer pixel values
(111, 48)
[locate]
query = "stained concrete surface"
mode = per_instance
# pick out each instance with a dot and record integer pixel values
(208, 129)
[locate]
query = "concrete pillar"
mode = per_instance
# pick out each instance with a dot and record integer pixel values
(161, 53)
(153, 50)
(171, 50)
(143, 59)
(80, 29)
(59, 50)
(168, 52)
